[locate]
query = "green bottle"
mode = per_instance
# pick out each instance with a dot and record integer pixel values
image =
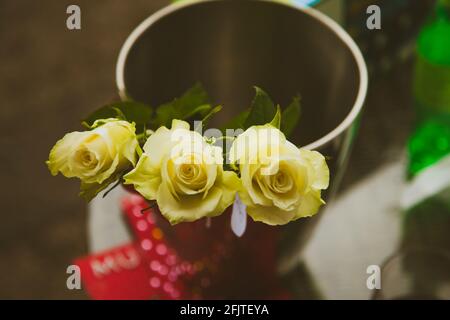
(431, 139)
(426, 200)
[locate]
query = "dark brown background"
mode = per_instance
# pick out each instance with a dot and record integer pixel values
(50, 78)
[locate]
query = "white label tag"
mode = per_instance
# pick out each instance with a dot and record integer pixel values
(238, 217)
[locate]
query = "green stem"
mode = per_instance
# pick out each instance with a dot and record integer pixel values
(139, 151)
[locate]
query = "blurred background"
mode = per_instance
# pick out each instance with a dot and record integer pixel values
(52, 77)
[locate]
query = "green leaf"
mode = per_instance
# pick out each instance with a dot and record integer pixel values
(203, 110)
(237, 122)
(262, 110)
(276, 121)
(291, 116)
(119, 113)
(164, 115)
(211, 112)
(131, 111)
(192, 102)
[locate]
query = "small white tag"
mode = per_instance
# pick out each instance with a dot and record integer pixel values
(238, 217)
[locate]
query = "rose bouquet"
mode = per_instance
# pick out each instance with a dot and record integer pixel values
(191, 171)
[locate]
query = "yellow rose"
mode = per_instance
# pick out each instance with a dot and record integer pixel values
(280, 183)
(96, 157)
(184, 174)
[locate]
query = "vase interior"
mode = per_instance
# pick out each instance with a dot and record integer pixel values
(231, 46)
